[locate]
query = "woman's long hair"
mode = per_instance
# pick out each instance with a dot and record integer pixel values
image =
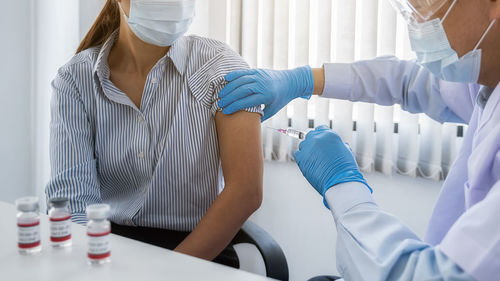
(107, 22)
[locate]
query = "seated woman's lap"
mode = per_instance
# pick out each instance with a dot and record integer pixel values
(169, 239)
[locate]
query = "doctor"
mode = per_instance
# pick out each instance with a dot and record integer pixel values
(455, 41)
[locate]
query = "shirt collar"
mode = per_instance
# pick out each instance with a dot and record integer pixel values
(484, 95)
(177, 54)
(101, 67)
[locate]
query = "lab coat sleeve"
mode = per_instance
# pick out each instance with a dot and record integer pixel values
(72, 160)
(388, 81)
(373, 245)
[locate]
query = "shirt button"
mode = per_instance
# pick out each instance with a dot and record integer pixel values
(145, 189)
(141, 119)
(129, 222)
(154, 80)
(141, 155)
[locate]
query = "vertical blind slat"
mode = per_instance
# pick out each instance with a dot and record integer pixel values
(218, 25)
(281, 61)
(408, 149)
(235, 25)
(366, 48)
(321, 25)
(249, 32)
(430, 149)
(299, 48)
(344, 31)
(386, 45)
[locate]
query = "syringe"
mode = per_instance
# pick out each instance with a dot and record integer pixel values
(291, 133)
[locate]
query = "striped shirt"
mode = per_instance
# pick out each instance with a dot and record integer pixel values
(157, 166)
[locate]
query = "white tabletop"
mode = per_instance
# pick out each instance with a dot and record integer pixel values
(130, 259)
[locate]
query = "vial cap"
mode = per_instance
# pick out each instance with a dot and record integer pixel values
(58, 202)
(97, 211)
(27, 204)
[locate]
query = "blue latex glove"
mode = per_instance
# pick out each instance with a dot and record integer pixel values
(273, 88)
(325, 160)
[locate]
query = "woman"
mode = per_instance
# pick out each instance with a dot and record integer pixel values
(135, 124)
(455, 79)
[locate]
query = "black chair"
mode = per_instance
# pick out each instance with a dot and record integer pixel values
(274, 258)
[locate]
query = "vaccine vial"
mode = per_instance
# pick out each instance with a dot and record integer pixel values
(98, 231)
(28, 225)
(60, 222)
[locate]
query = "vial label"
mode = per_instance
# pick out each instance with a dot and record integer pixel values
(28, 235)
(60, 229)
(99, 247)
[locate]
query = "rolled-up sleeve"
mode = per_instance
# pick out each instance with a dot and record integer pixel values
(73, 164)
(209, 80)
(374, 245)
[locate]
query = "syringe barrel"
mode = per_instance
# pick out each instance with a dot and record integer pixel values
(296, 134)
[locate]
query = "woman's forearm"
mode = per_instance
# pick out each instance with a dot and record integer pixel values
(221, 223)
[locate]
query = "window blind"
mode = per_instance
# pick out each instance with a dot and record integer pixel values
(281, 34)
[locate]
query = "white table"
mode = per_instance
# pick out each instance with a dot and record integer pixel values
(130, 259)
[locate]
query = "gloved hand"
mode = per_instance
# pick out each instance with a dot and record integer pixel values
(273, 88)
(325, 160)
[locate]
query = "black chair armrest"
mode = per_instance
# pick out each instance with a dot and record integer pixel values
(274, 258)
(325, 278)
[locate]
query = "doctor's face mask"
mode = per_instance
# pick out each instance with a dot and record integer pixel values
(160, 22)
(430, 43)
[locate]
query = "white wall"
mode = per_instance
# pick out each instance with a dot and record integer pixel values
(293, 213)
(15, 98)
(89, 10)
(44, 36)
(56, 39)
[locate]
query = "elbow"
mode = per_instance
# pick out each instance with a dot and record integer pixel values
(254, 198)
(251, 198)
(257, 199)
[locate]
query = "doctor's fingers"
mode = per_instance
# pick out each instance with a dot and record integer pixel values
(322, 128)
(318, 131)
(306, 144)
(324, 132)
(348, 147)
(235, 84)
(298, 156)
(270, 111)
(238, 73)
(248, 102)
(240, 93)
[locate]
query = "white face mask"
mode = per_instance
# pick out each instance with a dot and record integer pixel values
(434, 52)
(160, 22)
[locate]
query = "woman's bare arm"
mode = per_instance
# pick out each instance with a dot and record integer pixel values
(242, 163)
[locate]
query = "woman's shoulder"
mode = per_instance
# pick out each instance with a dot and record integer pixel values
(74, 76)
(82, 62)
(211, 56)
(207, 45)
(205, 49)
